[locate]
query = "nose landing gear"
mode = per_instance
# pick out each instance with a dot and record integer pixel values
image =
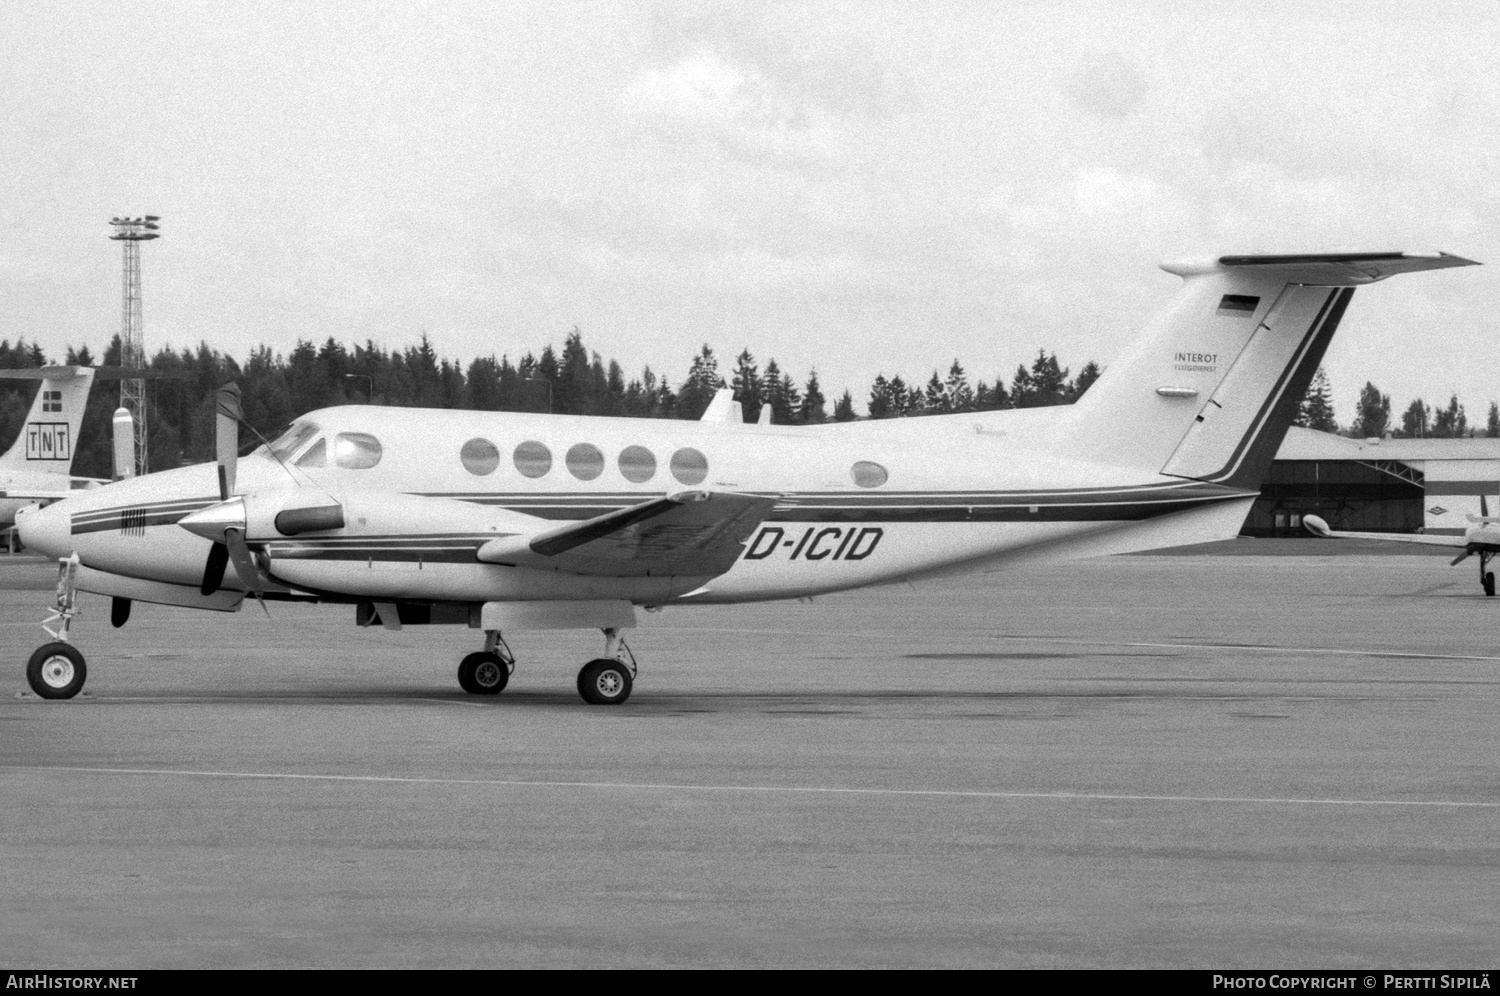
(607, 680)
(57, 670)
(1486, 576)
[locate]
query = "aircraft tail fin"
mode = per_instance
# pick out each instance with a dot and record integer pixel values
(50, 433)
(1211, 388)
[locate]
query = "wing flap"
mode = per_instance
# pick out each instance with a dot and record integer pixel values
(695, 533)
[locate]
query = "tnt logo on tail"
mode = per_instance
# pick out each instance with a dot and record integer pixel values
(48, 441)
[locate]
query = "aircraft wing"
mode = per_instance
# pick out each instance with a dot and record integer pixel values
(1318, 527)
(695, 533)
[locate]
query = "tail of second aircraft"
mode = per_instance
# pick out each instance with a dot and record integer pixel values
(1209, 391)
(50, 433)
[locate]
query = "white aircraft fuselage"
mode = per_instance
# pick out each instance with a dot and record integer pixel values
(969, 497)
(509, 521)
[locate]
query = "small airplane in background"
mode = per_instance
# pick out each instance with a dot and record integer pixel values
(1482, 538)
(503, 520)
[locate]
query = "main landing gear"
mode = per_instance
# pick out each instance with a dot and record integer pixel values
(57, 670)
(1486, 576)
(605, 680)
(488, 671)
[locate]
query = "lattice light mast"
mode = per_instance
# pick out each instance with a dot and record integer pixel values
(132, 232)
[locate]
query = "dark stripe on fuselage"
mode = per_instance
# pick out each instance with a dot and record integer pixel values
(1063, 505)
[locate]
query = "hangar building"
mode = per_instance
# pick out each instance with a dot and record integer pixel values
(1377, 485)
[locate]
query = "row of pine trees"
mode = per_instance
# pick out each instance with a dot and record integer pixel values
(1372, 417)
(575, 380)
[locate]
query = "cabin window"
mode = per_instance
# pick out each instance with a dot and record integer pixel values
(291, 440)
(585, 462)
(689, 466)
(533, 459)
(480, 457)
(356, 450)
(868, 474)
(316, 455)
(638, 464)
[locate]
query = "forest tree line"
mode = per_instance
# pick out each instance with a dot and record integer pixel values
(1372, 418)
(574, 381)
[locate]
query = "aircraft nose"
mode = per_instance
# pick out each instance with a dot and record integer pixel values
(46, 530)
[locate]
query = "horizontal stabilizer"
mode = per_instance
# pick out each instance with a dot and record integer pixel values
(98, 373)
(1346, 269)
(695, 533)
(43, 373)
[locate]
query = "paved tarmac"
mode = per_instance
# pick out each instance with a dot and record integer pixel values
(1210, 761)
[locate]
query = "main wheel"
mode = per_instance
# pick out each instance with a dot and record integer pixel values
(604, 682)
(1489, 583)
(56, 671)
(483, 673)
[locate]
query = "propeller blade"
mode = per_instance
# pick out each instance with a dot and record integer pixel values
(227, 436)
(244, 566)
(213, 570)
(1460, 558)
(1484, 507)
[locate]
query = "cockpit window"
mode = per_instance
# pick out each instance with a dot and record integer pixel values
(284, 445)
(316, 455)
(356, 450)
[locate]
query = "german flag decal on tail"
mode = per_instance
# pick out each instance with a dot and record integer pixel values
(1238, 305)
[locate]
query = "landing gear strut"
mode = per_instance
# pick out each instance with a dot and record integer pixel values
(488, 671)
(607, 680)
(1486, 576)
(57, 670)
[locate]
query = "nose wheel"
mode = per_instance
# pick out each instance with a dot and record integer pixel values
(608, 680)
(56, 671)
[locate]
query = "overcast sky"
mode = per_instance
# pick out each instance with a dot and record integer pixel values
(856, 187)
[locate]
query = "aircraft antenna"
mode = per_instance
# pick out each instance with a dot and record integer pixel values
(132, 232)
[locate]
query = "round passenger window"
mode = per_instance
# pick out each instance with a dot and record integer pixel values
(869, 475)
(533, 459)
(356, 450)
(480, 457)
(585, 462)
(638, 464)
(689, 466)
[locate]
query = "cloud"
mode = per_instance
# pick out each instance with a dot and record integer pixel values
(763, 84)
(1107, 85)
(799, 60)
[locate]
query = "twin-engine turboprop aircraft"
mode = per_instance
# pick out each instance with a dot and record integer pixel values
(1482, 537)
(507, 521)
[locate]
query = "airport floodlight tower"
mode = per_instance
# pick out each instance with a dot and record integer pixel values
(132, 232)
